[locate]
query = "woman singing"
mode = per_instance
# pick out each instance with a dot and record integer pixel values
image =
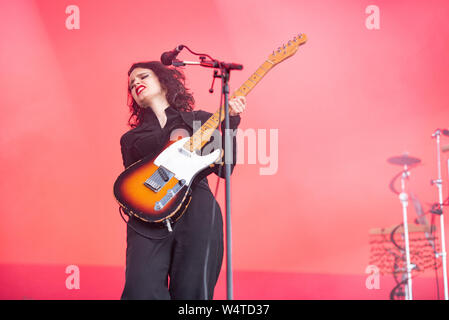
(184, 263)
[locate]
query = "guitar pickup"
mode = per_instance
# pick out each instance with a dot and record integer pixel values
(185, 152)
(163, 174)
(158, 179)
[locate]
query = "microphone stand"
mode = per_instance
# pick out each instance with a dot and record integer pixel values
(403, 197)
(225, 73)
(439, 184)
(225, 69)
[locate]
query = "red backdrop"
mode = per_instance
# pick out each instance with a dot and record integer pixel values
(349, 99)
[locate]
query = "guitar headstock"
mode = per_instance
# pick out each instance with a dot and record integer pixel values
(287, 50)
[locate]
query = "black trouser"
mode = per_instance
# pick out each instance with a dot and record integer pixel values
(191, 256)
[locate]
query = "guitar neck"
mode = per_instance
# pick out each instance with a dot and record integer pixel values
(202, 135)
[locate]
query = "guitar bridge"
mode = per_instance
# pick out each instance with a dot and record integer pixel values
(159, 205)
(158, 179)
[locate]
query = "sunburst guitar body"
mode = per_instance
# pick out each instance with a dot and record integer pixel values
(158, 189)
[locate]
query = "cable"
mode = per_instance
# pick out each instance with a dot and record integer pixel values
(395, 271)
(199, 54)
(138, 232)
(392, 237)
(398, 286)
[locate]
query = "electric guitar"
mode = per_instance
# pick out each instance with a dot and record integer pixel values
(158, 190)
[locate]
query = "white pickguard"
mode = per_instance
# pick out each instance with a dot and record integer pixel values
(183, 163)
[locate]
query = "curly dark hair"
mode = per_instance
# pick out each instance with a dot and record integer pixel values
(172, 80)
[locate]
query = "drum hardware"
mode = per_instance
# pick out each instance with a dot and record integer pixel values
(406, 162)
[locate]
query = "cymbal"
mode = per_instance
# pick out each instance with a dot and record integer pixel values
(403, 160)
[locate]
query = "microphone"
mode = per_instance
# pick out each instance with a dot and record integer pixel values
(168, 57)
(445, 132)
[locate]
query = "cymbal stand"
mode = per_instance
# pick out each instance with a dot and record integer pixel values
(439, 184)
(403, 197)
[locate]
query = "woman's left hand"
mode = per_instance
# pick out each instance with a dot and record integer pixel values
(237, 105)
